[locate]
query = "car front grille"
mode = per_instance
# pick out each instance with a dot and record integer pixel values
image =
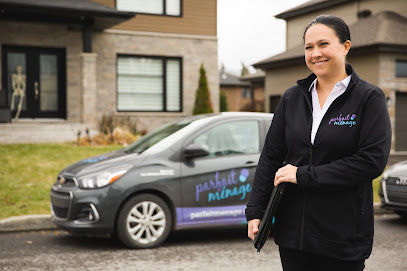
(61, 204)
(396, 192)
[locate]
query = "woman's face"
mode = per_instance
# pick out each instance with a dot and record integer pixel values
(324, 53)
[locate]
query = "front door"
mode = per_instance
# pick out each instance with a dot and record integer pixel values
(34, 79)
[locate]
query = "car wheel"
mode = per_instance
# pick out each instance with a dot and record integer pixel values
(144, 222)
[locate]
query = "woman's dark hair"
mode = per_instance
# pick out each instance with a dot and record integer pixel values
(337, 24)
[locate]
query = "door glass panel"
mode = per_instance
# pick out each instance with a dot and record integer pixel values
(16, 74)
(48, 83)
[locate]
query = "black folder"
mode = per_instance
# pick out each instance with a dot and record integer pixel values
(267, 220)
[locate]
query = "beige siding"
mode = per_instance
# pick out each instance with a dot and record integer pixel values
(198, 18)
(296, 26)
(398, 6)
(280, 79)
(348, 12)
(367, 67)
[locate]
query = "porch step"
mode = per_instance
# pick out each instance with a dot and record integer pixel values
(41, 132)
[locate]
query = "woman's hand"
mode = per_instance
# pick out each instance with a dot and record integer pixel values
(287, 174)
(253, 228)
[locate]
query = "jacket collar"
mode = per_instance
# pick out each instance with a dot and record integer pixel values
(305, 84)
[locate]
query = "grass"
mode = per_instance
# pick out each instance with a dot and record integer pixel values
(376, 183)
(27, 172)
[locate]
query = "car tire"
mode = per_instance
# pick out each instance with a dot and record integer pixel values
(145, 221)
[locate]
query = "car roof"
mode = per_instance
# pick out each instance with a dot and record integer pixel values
(207, 118)
(233, 115)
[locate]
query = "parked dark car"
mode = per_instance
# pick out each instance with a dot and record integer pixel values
(194, 172)
(393, 189)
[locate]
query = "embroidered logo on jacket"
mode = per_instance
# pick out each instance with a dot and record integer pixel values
(348, 120)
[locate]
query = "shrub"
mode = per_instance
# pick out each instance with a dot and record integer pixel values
(223, 102)
(203, 102)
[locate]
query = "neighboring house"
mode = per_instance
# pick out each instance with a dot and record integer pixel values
(256, 81)
(378, 54)
(237, 92)
(243, 93)
(82, 60)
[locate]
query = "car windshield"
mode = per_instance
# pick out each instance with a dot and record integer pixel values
(156, 136)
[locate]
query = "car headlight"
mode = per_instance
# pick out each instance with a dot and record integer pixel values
(102, 178)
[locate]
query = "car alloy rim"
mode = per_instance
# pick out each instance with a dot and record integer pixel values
(146, 222)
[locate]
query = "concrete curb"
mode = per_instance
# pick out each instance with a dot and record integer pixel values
(27, 223)
(43, 222)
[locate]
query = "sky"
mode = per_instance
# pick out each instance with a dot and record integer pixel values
(248, 32)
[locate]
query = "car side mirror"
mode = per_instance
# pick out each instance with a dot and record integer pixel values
(196, 150)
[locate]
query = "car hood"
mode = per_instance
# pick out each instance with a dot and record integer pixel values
(100, 162)
(399, 169)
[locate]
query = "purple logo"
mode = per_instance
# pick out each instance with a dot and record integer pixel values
(243, 175)
(348, 120)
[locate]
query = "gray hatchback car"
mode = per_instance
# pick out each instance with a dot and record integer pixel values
(193, 172)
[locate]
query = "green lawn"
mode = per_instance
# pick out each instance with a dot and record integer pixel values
(27, 172)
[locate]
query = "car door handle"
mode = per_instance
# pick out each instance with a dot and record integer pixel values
(250, 162)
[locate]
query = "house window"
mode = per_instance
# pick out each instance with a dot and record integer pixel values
(246, 93)
(160, 7)
(401, 68)
(149, 84)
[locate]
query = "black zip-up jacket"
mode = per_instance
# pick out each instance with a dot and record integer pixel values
(330, 210)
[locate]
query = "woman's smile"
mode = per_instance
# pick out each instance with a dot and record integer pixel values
(319, 62)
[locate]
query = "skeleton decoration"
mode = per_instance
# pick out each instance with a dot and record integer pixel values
(18, 84)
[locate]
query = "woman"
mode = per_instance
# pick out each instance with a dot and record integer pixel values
(330, 137)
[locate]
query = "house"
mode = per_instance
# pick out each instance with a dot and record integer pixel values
(77, 61)
(243, 93)
(256, 81)
(378, 53)
(237, 92)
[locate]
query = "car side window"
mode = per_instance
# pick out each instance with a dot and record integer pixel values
(238, 137)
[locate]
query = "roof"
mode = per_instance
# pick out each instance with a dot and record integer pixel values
(63, 11)
(310, 6)
(258, 76)
(227, 79)
(384, 31)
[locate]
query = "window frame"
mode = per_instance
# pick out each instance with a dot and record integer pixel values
(181, 6)
(164, 82)
(398, 75)
(246, 93)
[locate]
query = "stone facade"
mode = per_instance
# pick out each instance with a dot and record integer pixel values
(194, 51)
(390, 84)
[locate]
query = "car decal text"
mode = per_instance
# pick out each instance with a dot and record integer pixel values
(228, 186)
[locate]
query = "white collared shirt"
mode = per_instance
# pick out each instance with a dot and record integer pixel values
(318, 112)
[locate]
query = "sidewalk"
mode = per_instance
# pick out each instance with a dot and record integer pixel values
(43, 222)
